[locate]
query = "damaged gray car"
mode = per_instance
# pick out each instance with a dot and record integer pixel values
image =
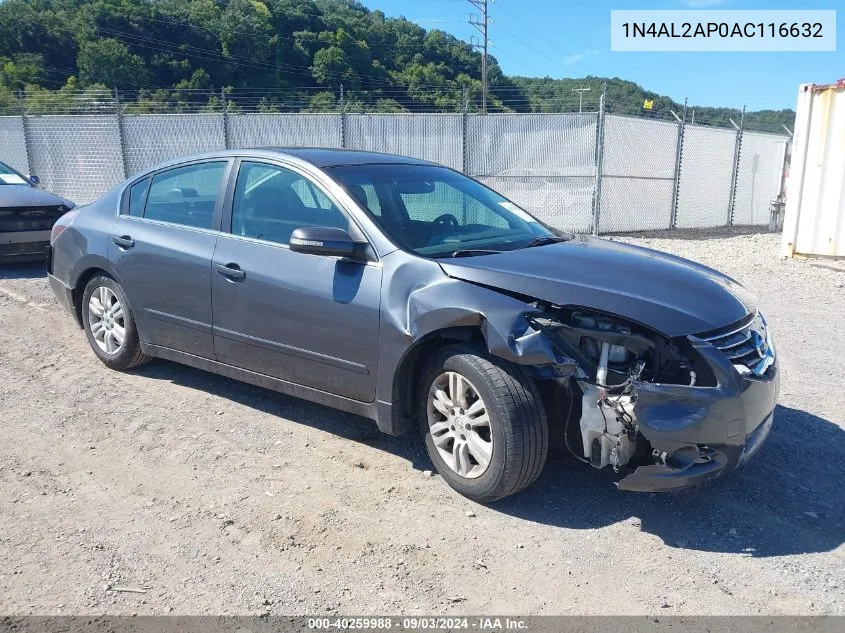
(413, 295)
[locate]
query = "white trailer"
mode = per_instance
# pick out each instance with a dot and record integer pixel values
(814, 223)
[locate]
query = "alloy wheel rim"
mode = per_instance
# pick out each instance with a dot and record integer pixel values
(459, 424)
(106, 320)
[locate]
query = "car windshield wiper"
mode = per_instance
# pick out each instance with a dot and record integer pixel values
(471, 252)
(546, 239)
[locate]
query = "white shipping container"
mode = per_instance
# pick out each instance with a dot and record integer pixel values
(814, 223)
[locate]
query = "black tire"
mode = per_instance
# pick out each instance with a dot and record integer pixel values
(518, 426)
(129, 354)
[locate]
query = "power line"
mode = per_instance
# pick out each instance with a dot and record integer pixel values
(217, 56)
(546, 39)
(300, 38)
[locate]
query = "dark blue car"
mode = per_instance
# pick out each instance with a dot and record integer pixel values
(26, 216)
(413, 295)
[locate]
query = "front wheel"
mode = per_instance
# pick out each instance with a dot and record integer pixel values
(109, 325)
(483, 423)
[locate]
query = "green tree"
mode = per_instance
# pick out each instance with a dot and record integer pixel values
(331, 66)
(285, 55)
(22, 69)
(109, 62)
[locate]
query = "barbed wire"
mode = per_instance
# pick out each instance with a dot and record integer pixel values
(423, 98)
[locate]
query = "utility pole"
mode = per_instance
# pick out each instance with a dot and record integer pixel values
(481, 23)
(581, 92)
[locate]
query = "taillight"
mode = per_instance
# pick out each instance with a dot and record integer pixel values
(61, 224)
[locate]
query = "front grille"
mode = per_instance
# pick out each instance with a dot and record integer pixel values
(745, 343)
(14, 219)
(24, 248)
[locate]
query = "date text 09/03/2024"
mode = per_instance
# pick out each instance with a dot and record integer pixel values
(419, 623)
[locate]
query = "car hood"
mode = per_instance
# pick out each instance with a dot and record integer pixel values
(668, 294)
(26, 196)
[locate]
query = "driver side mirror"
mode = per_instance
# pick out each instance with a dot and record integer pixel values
(323, 240)
(33, 179)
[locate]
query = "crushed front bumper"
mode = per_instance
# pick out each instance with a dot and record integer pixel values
(690, 469)
(700, 433)
(24, 245)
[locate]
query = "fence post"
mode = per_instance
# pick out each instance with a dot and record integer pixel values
(464, 132)
(225, 104)
(599, 162)
(118, 112)
(26, 142)
(735, 170)
(342, 119)
(682, 122)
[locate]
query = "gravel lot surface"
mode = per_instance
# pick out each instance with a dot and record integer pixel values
(217, 497)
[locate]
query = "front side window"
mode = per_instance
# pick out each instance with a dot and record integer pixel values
(434, 211)
(185, 195)
(270, 202)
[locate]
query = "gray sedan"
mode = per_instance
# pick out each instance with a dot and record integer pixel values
(413, 295)
(26, 216)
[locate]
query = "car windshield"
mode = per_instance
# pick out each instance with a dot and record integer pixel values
(9, 176)
(436, 212)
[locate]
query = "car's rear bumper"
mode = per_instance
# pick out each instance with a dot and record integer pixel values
(697, 434)
(24, 245)
(63, 294)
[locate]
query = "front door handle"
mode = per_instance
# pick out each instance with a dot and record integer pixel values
(124, 241)
(232, 271)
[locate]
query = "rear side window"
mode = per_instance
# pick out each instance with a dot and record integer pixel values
(138, 197)
(185, 195)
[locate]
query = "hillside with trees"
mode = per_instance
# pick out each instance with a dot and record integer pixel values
(271, 56)
(627, 97)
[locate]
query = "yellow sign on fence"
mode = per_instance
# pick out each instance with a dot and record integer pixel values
(648, 104)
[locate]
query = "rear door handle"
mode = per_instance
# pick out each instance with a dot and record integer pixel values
(124, 241)
(232, 271)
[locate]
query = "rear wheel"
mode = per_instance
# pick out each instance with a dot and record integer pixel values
(109, 325)
(483, 423)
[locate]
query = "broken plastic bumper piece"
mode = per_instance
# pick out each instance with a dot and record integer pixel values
(695, 464)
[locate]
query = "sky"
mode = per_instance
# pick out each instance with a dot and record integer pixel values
(571, 38)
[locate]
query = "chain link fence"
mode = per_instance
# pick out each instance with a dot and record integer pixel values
(584, 172)
(13, 143)
(546, 163)
(434, 137)
(759, 172)
(638, 174)
(149, 139)
(77, 157)
(707, 163)
(284, 130)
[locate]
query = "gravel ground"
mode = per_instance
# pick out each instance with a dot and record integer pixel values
(218, 497)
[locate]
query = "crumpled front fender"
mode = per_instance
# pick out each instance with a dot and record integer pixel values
(500, 318)
(421, 301)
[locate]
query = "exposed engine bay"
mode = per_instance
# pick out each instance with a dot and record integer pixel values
(612, 357)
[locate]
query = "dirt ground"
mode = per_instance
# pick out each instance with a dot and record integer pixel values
(213, 496)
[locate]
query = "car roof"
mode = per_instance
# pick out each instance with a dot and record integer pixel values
(330, 157)
(320, 157)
